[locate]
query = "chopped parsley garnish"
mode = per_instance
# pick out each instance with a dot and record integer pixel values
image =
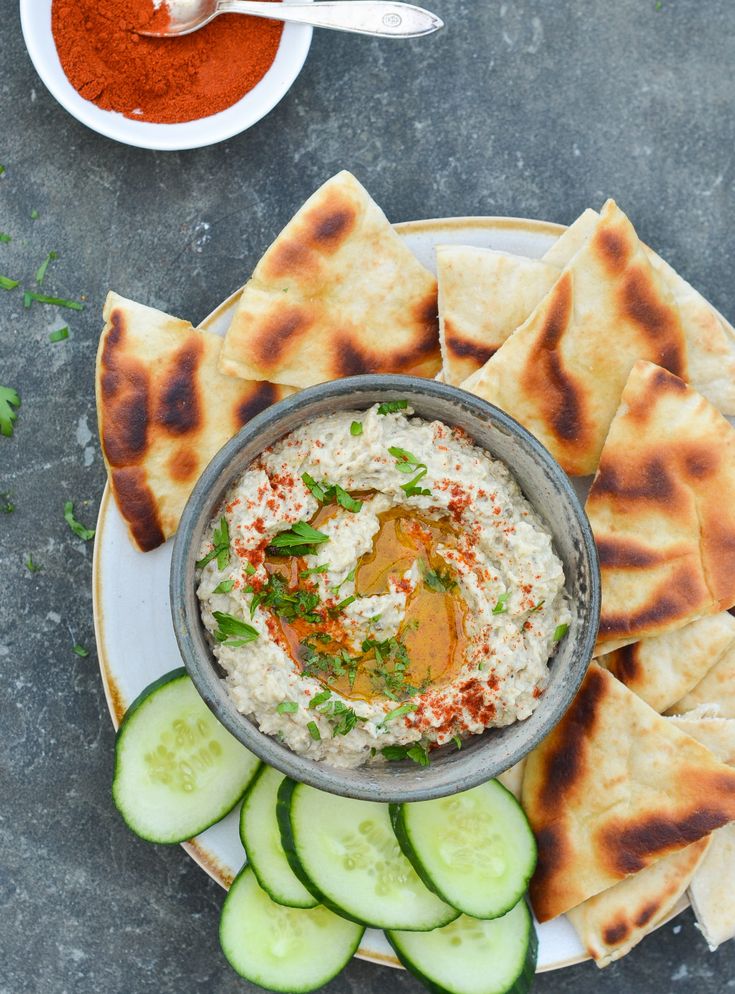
(345, 603)
(320, 698)
(6, 505)
(439, 580)
(356, 428)
(232, 628)
(5, 238)
(224, 587)
(41, 271)
(537, 607)
(86, 534)
(502, 605)
(457, 741)
(347, 718)
(287, 707)
(391, 657)
(249, 569)
(407, 462)
(560, 631)
(399, 712)
(31, 565)
(221, 550)
(392, 406)
(288, 602)
(9, 399)
(329, 664)
(80, 650)
(7, 284)
(418, 753)
(29, 297)
(325, 492)
(298, 540)
(314, 730)
(60, 335)
(314, 569)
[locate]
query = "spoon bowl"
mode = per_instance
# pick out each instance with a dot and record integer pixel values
(378, 18)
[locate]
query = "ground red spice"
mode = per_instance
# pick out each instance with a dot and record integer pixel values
(164, 80)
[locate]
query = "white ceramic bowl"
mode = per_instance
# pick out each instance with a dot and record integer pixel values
(290, 57)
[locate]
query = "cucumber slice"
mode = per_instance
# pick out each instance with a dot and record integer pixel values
(345, 852)
(471, 956)
(283, 949)
(261, 839)
(177, 770)
(475, 849)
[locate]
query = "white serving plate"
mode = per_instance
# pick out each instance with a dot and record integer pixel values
(135, 637)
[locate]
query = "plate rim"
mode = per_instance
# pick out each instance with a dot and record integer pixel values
(194, 849)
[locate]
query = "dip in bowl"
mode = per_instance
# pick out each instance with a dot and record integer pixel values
(385, 588)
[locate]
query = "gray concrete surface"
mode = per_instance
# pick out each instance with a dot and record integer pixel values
(532, 108)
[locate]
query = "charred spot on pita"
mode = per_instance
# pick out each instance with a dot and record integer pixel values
(612, 248)
(178, 406)
(125, 387)
(614, 934)
(183, 465)
(624, 663)
(261, 396)
(138, 507)
(657, 320)
(333, 225)
(279, 334)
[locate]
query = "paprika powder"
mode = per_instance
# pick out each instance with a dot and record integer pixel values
(165, 80)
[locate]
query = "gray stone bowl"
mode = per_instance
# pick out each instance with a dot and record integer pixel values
(547, 488)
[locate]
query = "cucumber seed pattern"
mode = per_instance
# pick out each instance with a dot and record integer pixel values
(471, 840)
(185, 753)
(373, 849)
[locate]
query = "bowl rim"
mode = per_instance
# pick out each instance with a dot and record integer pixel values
(188, 626)
(293, 48)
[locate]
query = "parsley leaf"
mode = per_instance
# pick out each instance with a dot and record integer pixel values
(392, 406)
(9, 399)
(298, 540)
(6, 505)
(439, 580)
(59, 335)
(31, 565)
(356, 428)
(224, 587)
(502, 605)
(287, 707)
(221, 550)
(7, 284)
(457, 741)
(314, 730)
(5, 238)
(80, 650)
(418, 753)
(314, 569)
(79, 530)
(29, 297)
(399, 712)
(331, 491)
(231, 627)
(560, 631)
(41, 271)
(407, 462)
(319, 698)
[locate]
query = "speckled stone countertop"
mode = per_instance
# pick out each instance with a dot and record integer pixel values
(531, 108)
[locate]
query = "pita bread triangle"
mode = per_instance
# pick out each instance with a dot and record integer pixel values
(710, 338)
(613, 789)
(664, 668)
(337, 294)
(562, 372)
(661, 509)
(484, 295)
(716, 687)
(611, 923)
(163, 412)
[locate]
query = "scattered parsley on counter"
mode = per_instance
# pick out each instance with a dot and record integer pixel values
(6, 505)
(86, 534)
(9, 399)
(29, 297)
(41, 271)
(7, 284)
(60, 335)
(5, 238)
(32, 566)
(79, 650)
(392, 406)
(2, 170)
(34, 215)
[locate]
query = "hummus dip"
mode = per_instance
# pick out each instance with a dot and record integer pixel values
(376, 585)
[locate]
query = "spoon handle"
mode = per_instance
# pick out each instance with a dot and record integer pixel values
(382, 18)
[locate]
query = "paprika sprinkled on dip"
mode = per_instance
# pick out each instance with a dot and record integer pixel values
(162, 80)
(375, 586)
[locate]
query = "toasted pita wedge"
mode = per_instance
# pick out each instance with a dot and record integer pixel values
(562, 372)
(663, 669)
(163, 412)
(613, 789)
(483, 296)
(513, 778)
(717, 686)
(712, 890)
(610, 924)
(710, 338)
(661, 509)
(338, 293)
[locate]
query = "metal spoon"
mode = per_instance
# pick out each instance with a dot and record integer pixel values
(382, 18)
